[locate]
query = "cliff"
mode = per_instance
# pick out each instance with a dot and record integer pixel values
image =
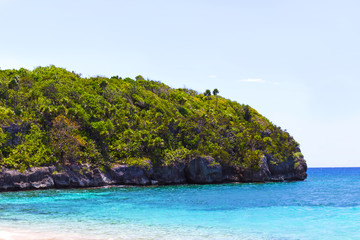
(58, 129)
(199, 171)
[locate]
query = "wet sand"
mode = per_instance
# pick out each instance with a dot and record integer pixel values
(15, 234)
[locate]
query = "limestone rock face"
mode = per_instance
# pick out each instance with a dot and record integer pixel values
(203, 170)
(40, 178)
(132, 175)
(300, 169)
(257, 175)
(287, 170)
(34, 178)
(199, 170)
(269, 169)
(232, 174)
(136, 175)
(170, 174)
(62, 179)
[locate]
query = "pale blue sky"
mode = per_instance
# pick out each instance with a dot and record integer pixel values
(296, 62)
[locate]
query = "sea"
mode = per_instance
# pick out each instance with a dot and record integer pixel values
(324, 206)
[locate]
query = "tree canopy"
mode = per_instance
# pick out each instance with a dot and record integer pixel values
(52, 116)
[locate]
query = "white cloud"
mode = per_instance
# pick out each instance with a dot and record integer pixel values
(212, 76)
(253, 80)
(257, 80)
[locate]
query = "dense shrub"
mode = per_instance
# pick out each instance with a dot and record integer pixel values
(113, 120)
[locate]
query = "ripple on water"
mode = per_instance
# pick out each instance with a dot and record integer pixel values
(326, 205)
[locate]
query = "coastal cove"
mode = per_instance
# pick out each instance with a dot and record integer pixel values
(324, 206)
(179, 120)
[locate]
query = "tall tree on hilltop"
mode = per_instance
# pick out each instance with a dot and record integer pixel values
(207, 93)
(215, 92)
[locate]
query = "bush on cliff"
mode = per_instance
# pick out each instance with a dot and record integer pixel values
(52, 116)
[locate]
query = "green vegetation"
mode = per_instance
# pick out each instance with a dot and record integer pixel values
(63, 119)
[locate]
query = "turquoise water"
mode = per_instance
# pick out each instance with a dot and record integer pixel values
(325, 206)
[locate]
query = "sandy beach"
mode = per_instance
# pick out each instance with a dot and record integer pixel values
(10, 235)
(15, 234)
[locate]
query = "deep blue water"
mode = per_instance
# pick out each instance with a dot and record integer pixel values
(324, 206)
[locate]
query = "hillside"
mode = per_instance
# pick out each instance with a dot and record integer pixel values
(53, 117)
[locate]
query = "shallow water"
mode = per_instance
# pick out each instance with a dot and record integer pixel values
(325, 206)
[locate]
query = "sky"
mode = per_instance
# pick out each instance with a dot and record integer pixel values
(296, 62)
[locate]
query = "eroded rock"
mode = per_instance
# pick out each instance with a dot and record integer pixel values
(203, 170)
(170, 174)
(260, 174)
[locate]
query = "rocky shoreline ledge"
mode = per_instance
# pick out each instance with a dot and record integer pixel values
(200, 170)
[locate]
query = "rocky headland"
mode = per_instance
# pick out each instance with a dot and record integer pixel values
(61, 130)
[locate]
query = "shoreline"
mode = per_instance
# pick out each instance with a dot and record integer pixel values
(140, 186)
(199, 170)
(17, 234)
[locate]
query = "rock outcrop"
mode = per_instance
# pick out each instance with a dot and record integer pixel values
(203, 170)
(200, 170)
(170, 174)
(259, 174)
